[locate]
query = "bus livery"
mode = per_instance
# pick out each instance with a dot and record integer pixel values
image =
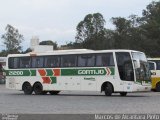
(111, 71)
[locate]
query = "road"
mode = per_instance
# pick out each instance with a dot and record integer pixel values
(12, 101)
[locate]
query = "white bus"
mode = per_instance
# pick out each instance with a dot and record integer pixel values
(111, 71)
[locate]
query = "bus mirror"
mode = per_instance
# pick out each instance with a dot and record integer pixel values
(137, 64)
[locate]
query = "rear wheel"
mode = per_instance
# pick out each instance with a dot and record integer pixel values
(158, 87)
(38, 89)
(108, 89)
(54, 92)
(123, 93)
(27, 88)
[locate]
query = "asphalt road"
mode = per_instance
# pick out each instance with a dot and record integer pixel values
(12, 101)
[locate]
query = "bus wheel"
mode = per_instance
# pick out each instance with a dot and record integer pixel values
(38, 89)
(158, 87)
(123, 93)
(54, 92)
(27, 88)
(108, 89)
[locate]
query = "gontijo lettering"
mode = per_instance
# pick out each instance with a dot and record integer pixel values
(91, 72)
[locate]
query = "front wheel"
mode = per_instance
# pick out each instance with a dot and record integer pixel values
(123, 93)
(108, 90)
(27, 88)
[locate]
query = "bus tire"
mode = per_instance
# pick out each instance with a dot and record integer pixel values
(54, 92)
(38, 89)
(158, 87)
(123, 93)
(27, 88)
(108, 89)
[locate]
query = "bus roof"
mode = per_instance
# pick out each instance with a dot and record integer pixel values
(71, 51)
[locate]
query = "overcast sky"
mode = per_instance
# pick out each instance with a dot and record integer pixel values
(57, 19)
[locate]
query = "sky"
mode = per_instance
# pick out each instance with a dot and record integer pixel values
(57, 19)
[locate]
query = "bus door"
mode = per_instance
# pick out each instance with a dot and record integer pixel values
(125, 69)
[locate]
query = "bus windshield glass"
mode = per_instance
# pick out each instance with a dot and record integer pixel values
(142, 73)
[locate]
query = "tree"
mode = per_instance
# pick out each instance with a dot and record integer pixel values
(27, 50)
(128, 34)
(91, 31)
(121, 33)
(12, 39)
(49, 42)
(150, 25)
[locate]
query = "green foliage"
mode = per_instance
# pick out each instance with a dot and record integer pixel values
(151, 28)
(27, 50)
(138, 33)
(12, 39)
(91, 31)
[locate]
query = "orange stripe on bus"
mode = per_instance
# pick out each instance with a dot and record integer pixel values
(46, 80)
(56, 72)
(42, 72)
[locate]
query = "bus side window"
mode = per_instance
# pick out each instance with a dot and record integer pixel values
(11, 63)
(68, 61)
(52, 61)
(158, 65)
(82, 61)
(37, 62)
(91, 60)
(105, 59)
(25, 62)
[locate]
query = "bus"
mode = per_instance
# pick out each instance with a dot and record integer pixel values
(2, 66)
(108, 71)
(154, 64)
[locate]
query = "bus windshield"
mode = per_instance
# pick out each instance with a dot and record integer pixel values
(143, 72)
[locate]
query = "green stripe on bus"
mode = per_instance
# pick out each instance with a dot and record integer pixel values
(86, 71)
(54, 80)
(49, 72)
(112, 71)
(20, 72)
(65, 72)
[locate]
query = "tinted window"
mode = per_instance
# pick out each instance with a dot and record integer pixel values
(86, 60)
(37, 62)
(157, 64)
(105, 59)
(151, 66)
(68, 61)
(13, 63)
(52, 61)
(24, 62)
(91, 60)
(125, 67)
